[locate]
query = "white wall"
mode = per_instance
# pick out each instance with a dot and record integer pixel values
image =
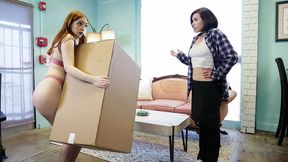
(165, 25)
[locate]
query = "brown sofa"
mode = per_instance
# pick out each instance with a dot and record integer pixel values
(169, 94)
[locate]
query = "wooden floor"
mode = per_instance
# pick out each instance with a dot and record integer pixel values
(33, 146)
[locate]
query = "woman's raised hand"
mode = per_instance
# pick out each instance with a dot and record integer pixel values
(101, 81)
(174, 53)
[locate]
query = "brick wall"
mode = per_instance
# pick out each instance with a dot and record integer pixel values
(249, 66)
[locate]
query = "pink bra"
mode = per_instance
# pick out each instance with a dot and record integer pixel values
(56, 62)
(58, 79)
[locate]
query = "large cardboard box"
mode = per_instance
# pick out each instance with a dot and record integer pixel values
(95, 117)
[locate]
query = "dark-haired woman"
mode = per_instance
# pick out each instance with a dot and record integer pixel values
(210, 58)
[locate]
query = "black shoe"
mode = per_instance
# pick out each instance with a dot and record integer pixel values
(223, 132)
(200, 157)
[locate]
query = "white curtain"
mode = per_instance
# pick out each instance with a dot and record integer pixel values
(16, 62)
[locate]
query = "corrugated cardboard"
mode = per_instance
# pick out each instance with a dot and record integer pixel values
(94, 117)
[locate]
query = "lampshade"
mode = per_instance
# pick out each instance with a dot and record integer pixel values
(104, 34)
(107, 34)
(93, 37)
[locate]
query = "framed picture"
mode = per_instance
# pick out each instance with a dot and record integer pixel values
(282, 21)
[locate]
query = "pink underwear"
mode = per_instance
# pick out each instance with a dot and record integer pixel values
(58, 79)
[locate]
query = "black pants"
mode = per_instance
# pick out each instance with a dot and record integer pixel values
(209, 143)
(206, 113)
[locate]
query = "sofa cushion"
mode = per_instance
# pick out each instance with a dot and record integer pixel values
(163, 105)
(184, 109)
(141, 102)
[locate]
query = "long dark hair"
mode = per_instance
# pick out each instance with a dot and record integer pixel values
(210, 20)
(66, 29)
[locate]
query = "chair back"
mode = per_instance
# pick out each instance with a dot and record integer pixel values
(282, 71)
(2, 115)
(282, 123)
(0, 88)
(283, 81)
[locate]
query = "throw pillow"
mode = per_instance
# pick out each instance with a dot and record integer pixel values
(144, 92)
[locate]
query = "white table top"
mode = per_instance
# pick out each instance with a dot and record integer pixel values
(159, 122)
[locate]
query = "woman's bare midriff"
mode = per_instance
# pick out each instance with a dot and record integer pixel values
(198, 74)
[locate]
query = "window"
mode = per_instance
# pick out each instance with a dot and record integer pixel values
(16, 63)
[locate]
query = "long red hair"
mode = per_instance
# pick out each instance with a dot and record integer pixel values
(66, 29)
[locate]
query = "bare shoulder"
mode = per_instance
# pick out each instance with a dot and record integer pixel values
(68, 38)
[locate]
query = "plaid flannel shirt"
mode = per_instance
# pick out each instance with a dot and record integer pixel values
(224, 57)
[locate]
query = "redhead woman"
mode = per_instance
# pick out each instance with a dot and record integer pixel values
(47, 93)
(210, 58)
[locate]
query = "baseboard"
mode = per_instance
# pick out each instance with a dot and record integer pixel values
(15, 130)
(266, 127)
(231, 124)
(41, 122)
(42, 125)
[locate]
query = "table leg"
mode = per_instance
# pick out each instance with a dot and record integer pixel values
(171, 145)
(185, 141)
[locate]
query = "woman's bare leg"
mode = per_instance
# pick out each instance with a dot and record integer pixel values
(68, 153)
(223, 111)
(224, 105)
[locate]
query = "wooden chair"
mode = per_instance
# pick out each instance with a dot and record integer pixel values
(282, 123)
(2, 118)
